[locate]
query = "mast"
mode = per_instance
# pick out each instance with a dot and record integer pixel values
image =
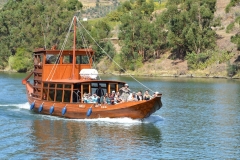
(74, 48)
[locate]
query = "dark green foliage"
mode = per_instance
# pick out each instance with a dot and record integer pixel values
(140, 37)
(31, 24)
(189, 26)
(236, 39)
(73, 5)
(109, 49)
(232, 69)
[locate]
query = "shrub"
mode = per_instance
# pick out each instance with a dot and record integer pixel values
(231, 69)
(230, 27)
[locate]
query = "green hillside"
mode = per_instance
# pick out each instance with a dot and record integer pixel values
(145, 30)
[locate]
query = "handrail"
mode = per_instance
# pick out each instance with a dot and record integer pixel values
(24, 81)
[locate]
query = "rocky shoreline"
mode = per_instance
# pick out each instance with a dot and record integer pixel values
(192, 75)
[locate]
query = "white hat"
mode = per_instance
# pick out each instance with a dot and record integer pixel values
(113, 91)
(126, 84)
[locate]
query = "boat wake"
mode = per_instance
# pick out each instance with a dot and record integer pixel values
(20, 106)
(153, 119)
(113, 120)
(125, 121)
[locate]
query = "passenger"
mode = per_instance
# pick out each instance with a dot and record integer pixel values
(125, 92)
(155, 94)
(146, 95)
(106, 99)
(94, 98)
(99, 92)
(112, 96)
(44, 96)
(86, 98)
(139, 96)
(133, 97)
(117, 98)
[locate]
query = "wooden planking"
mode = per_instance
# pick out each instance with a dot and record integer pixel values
(62, 71)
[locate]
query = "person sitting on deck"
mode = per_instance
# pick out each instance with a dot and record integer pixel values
(133, 97)
(139, 96)
(112, 96)
(106, 99)
(94, 98)
(146, 95)
(155, 94)
(86, 98)
(117, 98)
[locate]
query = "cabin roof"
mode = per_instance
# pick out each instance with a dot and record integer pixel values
(82, 81)
(42, 50)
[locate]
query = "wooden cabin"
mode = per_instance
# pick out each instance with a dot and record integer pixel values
(57, 76)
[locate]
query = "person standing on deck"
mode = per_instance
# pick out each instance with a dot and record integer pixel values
(99, 92)
(125, 92)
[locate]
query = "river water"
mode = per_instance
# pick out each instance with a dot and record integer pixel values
(200, 119)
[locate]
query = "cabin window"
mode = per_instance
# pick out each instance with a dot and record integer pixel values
(52, 59)
(67, 96)
(51, 94)
(85, 60)
(85, 88)
(82, 59)
(52, 85)
(78, 59)
(76, 93)
(67, 59)
(45, 85)
(103, 86)
(59, 95)
(94, 86)
(113, 87)
(67, 86)
(59, 86)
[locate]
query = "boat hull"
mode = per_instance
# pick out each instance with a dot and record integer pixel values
(133, 110)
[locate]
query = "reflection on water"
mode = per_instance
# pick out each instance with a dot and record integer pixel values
(91, 139)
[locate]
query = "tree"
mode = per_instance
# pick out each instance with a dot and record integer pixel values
(73, 5)
(189, 26)
(21, 62)
(31, 24)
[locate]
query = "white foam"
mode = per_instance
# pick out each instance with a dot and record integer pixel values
(153, 119)
(124, 120)
(23, 106)
(20, 106)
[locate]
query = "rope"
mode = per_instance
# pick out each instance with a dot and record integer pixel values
(113, 59)
(86, 46)
(60, 53)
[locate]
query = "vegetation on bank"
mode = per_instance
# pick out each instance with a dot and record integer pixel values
(146, 30)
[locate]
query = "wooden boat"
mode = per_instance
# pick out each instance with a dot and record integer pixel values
(58, 88)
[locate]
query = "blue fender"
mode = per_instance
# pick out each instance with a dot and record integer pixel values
(32, 105)
(64, 110)
(51, 110)
(40, 108)
(89, 112)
